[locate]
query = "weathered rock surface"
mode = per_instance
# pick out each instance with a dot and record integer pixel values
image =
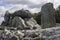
(13, 23)
(42, 34)
(51, 33)
(7, 33)
(18, 22)
(48, 18)
(6, 19)
(23, 14)
(22, 19)
(32, 23)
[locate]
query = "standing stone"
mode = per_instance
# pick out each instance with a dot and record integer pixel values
(47, 18)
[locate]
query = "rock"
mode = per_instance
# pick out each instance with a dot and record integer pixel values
(51, 33)
(7, 17)
(21, 19)
(15, 34)
(48, 18)
(11, 34)
(31, 33)
(20, 13)
(24, 24)
(32, 23)
(23, 14)
(13, 38)
(18, 22)
(4, 23)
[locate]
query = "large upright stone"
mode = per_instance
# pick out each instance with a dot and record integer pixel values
(47, 18)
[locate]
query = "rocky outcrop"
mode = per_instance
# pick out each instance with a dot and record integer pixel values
(32, 23)
(6, 19)
(18, 22)
(15, 25)
(9, 34)
(23, 14)
(21, 19)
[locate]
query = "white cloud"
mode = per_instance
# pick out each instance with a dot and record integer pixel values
(17, 7)
(56, 3)
(35, 10)
(31, 4)
(35, 1)
(2, 9)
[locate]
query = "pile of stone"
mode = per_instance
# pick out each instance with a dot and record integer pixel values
(19, 35)
(19, 25)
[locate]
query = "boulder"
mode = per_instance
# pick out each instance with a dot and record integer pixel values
(4, 23)
(18, 22)
(23, 14)
(6, 19)
(22, 19)
(13, 38)
(7, 16)
(32, 23)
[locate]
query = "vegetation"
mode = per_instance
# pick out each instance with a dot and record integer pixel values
(57, 15)
(37, 16)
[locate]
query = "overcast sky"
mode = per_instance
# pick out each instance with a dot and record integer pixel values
(32, 5)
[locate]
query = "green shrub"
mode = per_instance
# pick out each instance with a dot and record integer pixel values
(37, 17)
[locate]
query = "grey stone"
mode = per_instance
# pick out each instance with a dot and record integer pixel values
(18, 34)
(6, 19)
(23, 14)
(21, 19)
(51, 33)
(13, 38)
(47, 18)
(32, 23)
(7, 16)
(24, 24)
(4, 23)
(18, 22)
